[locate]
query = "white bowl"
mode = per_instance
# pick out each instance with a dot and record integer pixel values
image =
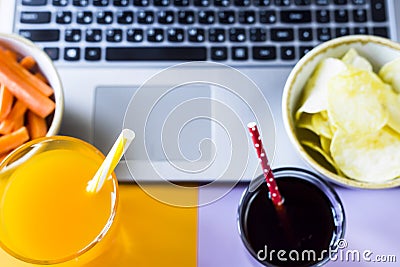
(376, 49)
(25, 47)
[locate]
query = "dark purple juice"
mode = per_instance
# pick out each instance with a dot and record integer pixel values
(300, 236)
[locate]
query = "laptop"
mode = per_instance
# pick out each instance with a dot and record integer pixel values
(111, 54)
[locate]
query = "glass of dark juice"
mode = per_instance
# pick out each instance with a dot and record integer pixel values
(304, 232)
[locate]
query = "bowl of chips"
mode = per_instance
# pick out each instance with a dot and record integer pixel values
(341, 110)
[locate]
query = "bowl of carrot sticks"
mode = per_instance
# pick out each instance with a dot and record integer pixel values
(31, 94)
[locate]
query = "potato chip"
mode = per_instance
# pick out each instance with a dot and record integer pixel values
(321, 125)
(318, 149)
(390, 73)
(305, 122)
(354, 102)
(355, 60)
(315, 92)
(391, 101)
(371, 157)
(325, 144)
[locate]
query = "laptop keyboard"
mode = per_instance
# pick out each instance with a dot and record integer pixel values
(266, 32)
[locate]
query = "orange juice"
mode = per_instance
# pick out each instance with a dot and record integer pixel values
(47, 215)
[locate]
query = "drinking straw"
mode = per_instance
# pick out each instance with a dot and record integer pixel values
(269, 176)
(110, 162)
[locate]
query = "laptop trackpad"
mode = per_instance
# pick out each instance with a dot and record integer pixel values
(111, 104)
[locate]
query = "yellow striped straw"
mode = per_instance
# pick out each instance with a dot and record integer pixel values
(110, 162)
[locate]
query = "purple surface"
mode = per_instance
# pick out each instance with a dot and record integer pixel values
(373, 223)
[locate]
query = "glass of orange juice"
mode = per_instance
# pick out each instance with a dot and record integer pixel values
(47, 216)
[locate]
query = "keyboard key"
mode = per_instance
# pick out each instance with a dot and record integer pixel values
(341, 16)
(324, 34)
(288, 53)
(342, 31)
(282, 35)
(186, 17)
(361, 30)
(219, 53)
(92, 53)
(360, 15)
(304, 50)
(283, 2)
(302, 2)
(226, 17)
(262, 3)
(216, 35)
(34, 2)
(134, 35)
(114, 35)
(64, 17)
(296, 16)
(196, 35)
(165, 16)
(323, 16)
(206, 17)
(380, 31)
(359, 2)
(43, 35)
(145, 17)
(378, 10)
(222, 3)
(35, 17)
(161, 2)
(100, 2)
(239, 53)
(52, 52)
(241, 2)
(93, 35)
(104, 17)
(155, 35)
(155, 53)
(237, 35)
(175, 35)
(121, 3)
(84, 17)
(125, 17)
(141, 2)
(247, 17)
(340, 2)
(267, 16)
(81, 3)
(72, 35)
(264, 52)
(181, 3)
(202, 3)
(60, 2)
(258, 34)
(72, 53)
(305, 34)
(322, 2)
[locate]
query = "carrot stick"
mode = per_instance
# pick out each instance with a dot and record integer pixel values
(27, 76)
(18, 122)
(11, 54)
(37, 126)
(18, 110)
(3, 156)
(15, 78)
(28, 62)
(13, 140)
(6, 101)
(40, 77)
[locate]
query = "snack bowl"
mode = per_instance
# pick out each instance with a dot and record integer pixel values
(377, 51)
(43, 67)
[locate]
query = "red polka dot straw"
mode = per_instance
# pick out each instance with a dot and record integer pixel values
(269, 176)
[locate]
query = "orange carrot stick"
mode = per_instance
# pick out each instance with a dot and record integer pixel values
(28, 62)
(18, 122)
(27, 76)
(18, 110)
(15, 78)
(37, 126)
(13, 140)
(11, 54)
(40, 77)
(6, 101)
(3, 156)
